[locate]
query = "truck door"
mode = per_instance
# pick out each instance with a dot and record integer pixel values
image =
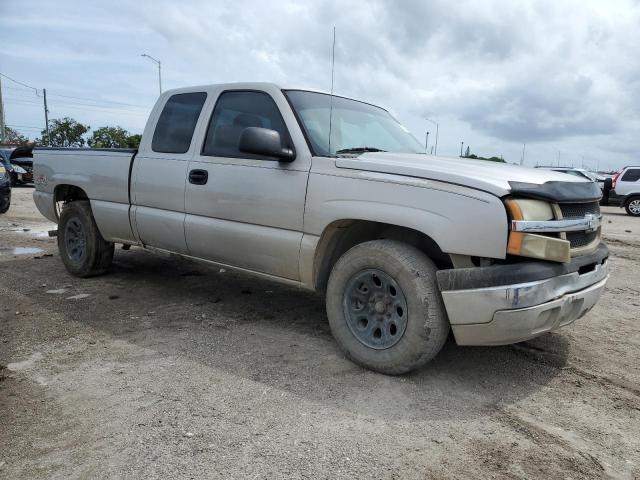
(247, 210)
(160, 172)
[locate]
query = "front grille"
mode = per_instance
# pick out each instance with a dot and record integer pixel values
(581, 239)
(579, 210)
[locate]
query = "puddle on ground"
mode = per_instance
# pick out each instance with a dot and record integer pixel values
(39, 232)
(19, 251)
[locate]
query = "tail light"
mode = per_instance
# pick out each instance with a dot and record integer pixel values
(615, 179)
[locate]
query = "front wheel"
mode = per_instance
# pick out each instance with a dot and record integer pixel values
(5, 203)
(384, 307)
(83, 250)
(633, 207)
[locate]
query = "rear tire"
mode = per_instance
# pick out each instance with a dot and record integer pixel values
(83, 250)
(384, 307)
(633, 206)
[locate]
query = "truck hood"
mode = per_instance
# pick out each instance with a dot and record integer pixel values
(497, 178)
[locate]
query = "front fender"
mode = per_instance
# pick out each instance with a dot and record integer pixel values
(460, 220)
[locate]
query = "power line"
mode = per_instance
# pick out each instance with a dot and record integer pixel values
(24, 127)
(18, 82)
(97, 100)
(16, 89)
(22, 101)
(67, 102)
(78, 106)
(74, 97)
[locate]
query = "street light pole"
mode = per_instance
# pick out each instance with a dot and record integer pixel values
(157, 62)
(461, 147)
(426, 144)
(437, 128)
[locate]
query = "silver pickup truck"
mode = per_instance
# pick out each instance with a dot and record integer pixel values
(334, 195)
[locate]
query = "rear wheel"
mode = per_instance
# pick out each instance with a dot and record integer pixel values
(633, 206)
(384, 307)
(83, 250)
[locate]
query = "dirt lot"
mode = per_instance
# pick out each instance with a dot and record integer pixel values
(166, 368)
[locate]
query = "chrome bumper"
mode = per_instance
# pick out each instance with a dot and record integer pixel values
(513, 313)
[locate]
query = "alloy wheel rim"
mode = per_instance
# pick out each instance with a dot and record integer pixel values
(375, 308)
(634, 206)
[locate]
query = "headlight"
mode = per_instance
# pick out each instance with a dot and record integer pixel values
(19, 169)
(530, 244)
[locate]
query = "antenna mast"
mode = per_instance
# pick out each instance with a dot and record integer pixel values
(333, 62)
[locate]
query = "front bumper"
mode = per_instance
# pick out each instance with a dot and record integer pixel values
(511, 303)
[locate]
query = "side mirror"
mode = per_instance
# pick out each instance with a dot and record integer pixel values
(263, 141)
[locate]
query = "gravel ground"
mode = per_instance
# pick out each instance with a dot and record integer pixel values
(166, 368)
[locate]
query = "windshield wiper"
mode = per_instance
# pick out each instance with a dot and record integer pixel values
(359, 150)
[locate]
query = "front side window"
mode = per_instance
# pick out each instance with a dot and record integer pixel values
(354, 125)
(631, 175)
(177, 122)
(235, 111)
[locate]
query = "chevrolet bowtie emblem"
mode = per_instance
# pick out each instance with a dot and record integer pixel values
(593, 221)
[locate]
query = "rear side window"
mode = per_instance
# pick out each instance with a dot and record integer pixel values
(235, 111)
(177, 122)
(631, 175)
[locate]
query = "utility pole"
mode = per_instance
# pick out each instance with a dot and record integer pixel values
(461, 146)
(426, 143)
(2, 129)
(524, 145)
(157, 62)
(46, 115)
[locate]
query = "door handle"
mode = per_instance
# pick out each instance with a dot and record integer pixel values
(198, 177)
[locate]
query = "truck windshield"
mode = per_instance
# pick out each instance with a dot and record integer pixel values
(356, 127)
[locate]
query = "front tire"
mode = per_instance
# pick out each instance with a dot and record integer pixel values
(384, 307)
(83, 250)
(5, 203)
(633, 206)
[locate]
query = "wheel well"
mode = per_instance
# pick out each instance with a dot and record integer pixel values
(630, 197)
(342, 235)
(67, 193)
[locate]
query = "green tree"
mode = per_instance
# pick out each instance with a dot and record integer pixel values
(133, 141)
(65, 132)
(113, 137)
(468, 154)
(109, 137)
(13, 137)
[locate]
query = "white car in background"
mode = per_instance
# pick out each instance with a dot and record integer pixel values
(626, 190)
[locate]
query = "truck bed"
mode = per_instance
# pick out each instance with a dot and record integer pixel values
(103, 174)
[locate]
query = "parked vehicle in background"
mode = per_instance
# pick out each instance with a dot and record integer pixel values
(626, 190)
(605, 183)
(404, 246)
(22, 162)
(5, 190)
(581, 173)
(5, 161)
(19, 163)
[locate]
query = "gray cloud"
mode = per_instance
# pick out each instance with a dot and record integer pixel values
(494, 73)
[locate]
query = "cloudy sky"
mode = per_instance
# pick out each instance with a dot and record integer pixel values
(561, 76)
